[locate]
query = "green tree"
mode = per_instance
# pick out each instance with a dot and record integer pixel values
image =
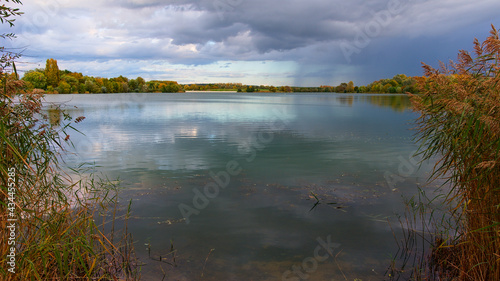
(91, 86)
(72, 81)
(36, 78)
(393, 82)
(400, 78)
(341, 88)
(385, 88)
(141, 84)
(376, 88)
(52, 73)
(133, 85)
(169, 87)
(81, 88)
(64, 87)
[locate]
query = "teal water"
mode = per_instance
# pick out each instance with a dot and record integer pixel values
(253, 164)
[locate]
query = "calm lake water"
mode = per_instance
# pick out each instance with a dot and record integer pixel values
(253, 165)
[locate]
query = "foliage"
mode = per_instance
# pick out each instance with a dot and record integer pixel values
(52, 79)
(7, 15)
(460, 123)
(64, 87)
(57, 235)
(52, 73)
(36, 79)
(88, 84)
(49, 222)
(350, 87)
(398, 84)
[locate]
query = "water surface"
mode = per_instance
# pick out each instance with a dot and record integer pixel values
(352, 151)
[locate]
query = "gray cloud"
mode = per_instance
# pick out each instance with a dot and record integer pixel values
(310, 33)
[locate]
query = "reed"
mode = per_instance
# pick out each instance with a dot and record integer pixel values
(59, 223)
(460, 123)
(52, 227)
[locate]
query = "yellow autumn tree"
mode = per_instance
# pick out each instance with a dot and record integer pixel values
(52, 73)
(350, 87)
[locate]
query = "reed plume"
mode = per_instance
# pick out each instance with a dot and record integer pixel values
(460, 123)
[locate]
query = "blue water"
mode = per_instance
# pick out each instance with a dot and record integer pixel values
(231, 179)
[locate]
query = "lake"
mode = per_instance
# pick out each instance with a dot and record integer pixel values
(255, 187)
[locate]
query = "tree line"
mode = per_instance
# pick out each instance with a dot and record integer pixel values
(53, 80)
(398, 84)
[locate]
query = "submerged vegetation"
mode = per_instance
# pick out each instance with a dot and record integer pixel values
(55, 226)
(460, 124)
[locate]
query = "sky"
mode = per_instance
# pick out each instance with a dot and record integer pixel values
(256, 42)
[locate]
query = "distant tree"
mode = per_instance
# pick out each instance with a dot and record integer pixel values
(121, 79)
(115, 87)
(99, 81)
(91, 85)
(386, 87)
(52, 73)
(81, 88)
(36, 78)
(400, 78)
(152, 86)
(169, 87)
(350, 87)
(124, 87)
(64, 87)
(132, 85)
(140, 84)
(72, 81)
(327, 89)
(64, 72)
(376, 88)
(342, 88)
(78, 76)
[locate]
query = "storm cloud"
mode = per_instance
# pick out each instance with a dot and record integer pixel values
(294, 42)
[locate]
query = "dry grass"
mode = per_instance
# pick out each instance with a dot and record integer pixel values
(460, 122)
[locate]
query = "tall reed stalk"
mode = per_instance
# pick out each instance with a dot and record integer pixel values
(460, 123)
(52, 227)
(49, 221)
